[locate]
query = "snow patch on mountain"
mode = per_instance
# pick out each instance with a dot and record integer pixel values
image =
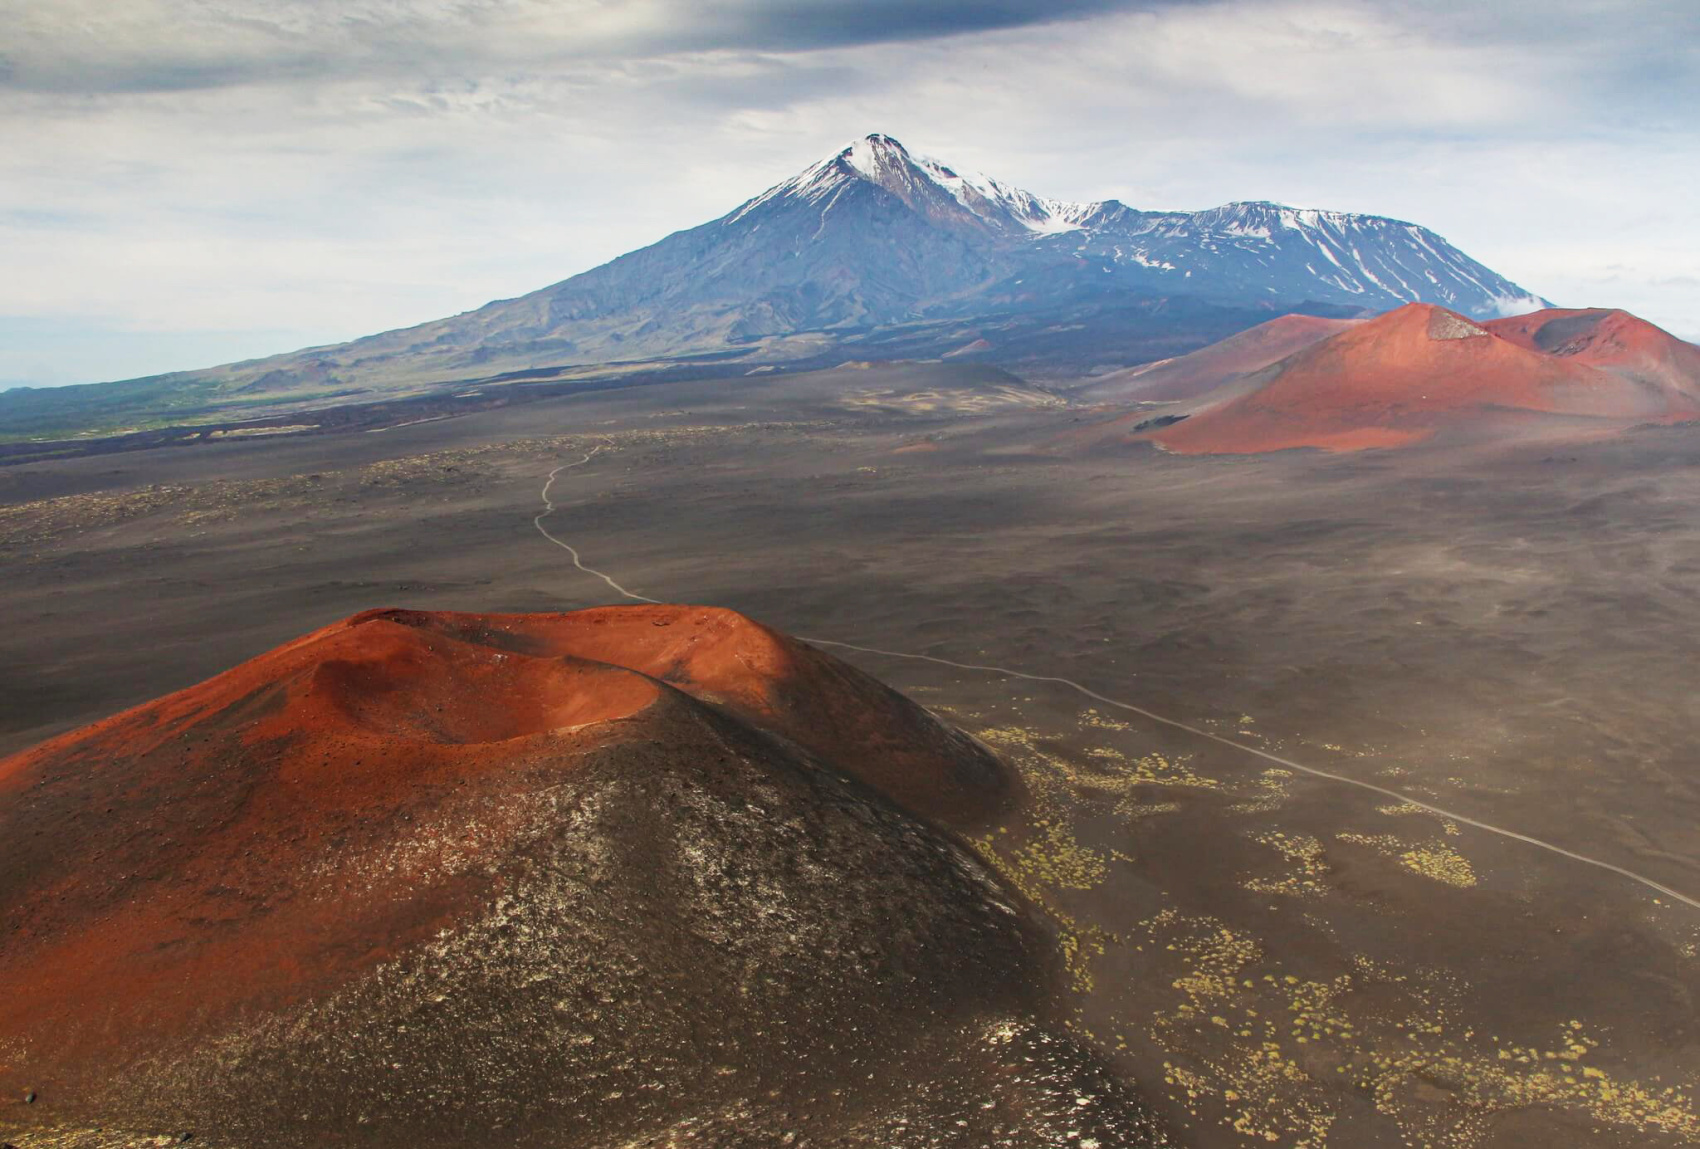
(993, 200)
(882, 161)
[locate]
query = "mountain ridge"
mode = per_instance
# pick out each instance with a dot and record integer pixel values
(867, 238)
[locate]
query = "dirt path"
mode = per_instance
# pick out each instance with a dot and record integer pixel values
(1139, 710)
(549, 509)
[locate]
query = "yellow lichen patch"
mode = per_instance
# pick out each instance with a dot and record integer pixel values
(1279, 1055)
(1061, 781)
(1338, 748)
(1041, 857)
(1094, 719)
(1210, 954)
(1440, 862)
(1054, 858)
(1268, 791)
(1160, 770)
(1226, 1060)
(1053, 780)
(1080, 944)
(1406, 809)
(1517, 1078)
(1317, 1011)
(1309, 866)
(1268, 1053)
(1261, 1075)
(1431, 1048)
(1435, 860)
(1011, 737)
(1038, 872)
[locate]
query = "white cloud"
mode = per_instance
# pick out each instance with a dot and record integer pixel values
(1508, 305)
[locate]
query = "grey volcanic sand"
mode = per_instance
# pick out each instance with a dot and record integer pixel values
(1506, 633)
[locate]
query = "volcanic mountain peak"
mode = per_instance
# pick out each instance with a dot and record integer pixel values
(874, 150)
(445, 684)
(1572, 330)
(1411, 345)
(1609, 338)
(363, 724)
(1443, 324)
(876, 159)
(929, 187)
(1407, 331)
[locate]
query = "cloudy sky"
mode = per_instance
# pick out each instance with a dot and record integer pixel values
(186, 182)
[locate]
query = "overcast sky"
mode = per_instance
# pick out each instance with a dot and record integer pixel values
(187, 182)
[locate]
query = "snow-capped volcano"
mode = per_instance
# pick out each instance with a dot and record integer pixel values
(1261, 249)
(929, 187)
(873, 240)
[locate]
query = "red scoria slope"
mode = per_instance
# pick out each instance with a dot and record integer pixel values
(623, 846)
(1189, 376)
(1404, 376)
(1614, 340)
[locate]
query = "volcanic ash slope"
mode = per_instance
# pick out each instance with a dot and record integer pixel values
(1422, 371)
(621, 876)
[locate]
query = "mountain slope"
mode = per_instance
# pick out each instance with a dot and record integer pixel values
(1610, 339)
(1402, 377)
(634, 876)
(1246, 251)
(874, 235)
(1204, 370)
(867, 237)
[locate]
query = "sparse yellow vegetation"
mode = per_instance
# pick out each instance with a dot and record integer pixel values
(1435, 860)
(1308, 861)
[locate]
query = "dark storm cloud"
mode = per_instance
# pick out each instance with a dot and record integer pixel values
(806, 24)
(113, 47)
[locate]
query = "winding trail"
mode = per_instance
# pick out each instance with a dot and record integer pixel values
(1142, 712)
(549, 509)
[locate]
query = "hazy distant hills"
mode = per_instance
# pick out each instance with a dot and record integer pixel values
(868, 239)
